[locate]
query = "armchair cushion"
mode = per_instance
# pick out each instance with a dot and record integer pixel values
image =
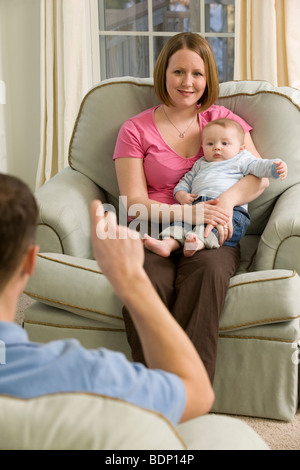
(253, 299)
(80, 421)
(87, 291)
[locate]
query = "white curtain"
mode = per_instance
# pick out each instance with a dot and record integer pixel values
(3, 155)
(267, 44)
(3, 161)
(70, 66)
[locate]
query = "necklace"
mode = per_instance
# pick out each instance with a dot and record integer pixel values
(181, 134)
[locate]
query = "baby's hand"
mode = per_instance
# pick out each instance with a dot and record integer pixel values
(282, 169)
(185, 198)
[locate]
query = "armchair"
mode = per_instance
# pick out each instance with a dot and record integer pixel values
(257, 364)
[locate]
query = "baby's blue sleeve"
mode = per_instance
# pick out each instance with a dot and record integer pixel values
(262, 168)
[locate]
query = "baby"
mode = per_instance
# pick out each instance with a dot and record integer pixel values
(224, 163)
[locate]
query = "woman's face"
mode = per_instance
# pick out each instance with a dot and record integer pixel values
(185, 78)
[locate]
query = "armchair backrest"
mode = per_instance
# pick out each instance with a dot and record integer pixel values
(82, 421)
(101, 114)
(274, 114)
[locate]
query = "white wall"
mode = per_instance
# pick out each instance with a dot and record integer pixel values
(20, 24)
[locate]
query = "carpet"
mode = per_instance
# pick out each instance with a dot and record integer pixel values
(278, 435)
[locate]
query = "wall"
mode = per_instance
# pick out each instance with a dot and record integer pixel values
(20, 24)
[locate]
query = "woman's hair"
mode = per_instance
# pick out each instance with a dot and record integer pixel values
(198, 44)
(18, 223)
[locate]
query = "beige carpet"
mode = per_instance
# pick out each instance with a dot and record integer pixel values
(277, 434)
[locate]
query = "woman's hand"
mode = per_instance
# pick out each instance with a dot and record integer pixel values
(224, 228)
(225, 233)
(210, 212)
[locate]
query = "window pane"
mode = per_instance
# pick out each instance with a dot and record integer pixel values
(124, 15)
(219, 16)
(126, 55)
(223, 49)
(158, 43)
(176, 15)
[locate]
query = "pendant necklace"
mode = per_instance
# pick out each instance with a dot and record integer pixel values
(181, 134)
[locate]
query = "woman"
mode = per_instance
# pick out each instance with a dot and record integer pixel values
(153, 151)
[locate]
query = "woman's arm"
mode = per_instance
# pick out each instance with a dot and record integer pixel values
(132, 185)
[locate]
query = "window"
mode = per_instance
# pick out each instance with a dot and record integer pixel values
(132, 32)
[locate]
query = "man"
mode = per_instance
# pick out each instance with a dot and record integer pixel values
(175, 384)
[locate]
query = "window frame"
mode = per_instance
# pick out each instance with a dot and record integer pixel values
(151, 34)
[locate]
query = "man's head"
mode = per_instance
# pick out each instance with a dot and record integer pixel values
(222, 139)
(18, 220)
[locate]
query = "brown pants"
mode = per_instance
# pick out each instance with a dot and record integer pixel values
(194, 290)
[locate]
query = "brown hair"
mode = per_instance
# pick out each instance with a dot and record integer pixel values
(198, 44)
(226, 123)
(18, 221)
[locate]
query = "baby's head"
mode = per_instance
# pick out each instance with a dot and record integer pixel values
(222, 139)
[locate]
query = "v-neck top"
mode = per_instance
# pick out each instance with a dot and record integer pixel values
(139, 137)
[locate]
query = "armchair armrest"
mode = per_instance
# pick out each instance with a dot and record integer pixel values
(64, 217)
(279, 247)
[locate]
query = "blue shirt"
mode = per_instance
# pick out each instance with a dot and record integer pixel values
(31, 369)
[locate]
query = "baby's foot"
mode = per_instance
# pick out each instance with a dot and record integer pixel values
(192, 244)
(160, 247)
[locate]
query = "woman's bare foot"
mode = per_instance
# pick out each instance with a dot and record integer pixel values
(192, 244)
(161, 247)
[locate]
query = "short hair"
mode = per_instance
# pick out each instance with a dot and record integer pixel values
(227, 123)
(18, 222)
(198, 44)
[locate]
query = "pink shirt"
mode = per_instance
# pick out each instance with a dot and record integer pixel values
(139, 137)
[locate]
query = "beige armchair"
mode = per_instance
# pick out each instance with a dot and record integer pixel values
(257, 364)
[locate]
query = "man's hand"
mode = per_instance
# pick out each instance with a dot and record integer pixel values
(118, 250)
